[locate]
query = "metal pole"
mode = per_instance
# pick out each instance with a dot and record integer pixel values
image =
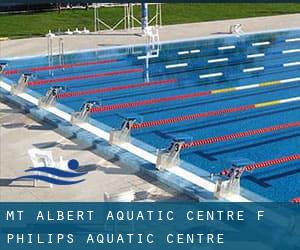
(132, 15)
(144, 14)
(95, 18)
(128, 16)
(160, 15)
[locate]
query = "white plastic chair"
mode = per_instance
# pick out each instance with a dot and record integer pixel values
(50, 34)
(128, 196)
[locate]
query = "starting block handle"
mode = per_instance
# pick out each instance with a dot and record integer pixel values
(50, 97)
(127, 123)
(3, 65)
(122, 135)
(84, 113)
(22, 83)
(169, 157)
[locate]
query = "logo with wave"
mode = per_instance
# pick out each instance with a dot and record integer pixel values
(54, 175)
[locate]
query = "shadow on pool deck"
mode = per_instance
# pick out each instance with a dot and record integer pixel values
(97, 167)
(11, 111)
(8, 182)
(24, 125)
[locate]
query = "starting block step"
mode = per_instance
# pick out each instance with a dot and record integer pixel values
(170, 156)
(122, 135)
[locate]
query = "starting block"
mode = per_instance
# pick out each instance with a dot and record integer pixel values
(170, 157)
(84, 113)
(3, 65)
(122, 135)
(236, 29)
(230, 186)
(227, 188)
(50, 97)
(22, 84)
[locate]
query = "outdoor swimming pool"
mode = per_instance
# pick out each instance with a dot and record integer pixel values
(234, 98)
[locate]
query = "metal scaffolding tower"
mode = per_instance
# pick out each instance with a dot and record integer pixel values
(129, 20)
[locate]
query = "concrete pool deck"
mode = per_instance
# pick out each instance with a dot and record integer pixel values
(19, 133)
(108, 177)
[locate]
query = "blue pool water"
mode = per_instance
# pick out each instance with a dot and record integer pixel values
(236, 61)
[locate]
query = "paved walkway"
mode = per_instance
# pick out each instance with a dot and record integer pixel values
(35, 46)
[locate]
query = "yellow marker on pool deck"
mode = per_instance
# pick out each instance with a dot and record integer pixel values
(252, 86)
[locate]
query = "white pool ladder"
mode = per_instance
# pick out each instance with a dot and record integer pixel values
(153, 47)
(153, 40)
(61, 51)
(50, 50)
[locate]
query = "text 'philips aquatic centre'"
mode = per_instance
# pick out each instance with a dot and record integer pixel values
(115, 238)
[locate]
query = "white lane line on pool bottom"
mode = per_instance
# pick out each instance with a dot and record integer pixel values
(178, 65)
(247, 87)
(291, 64)
(293, 99)
(292, 40)
(226, 47)
(211, 75)
(261, 43)
(290, 51)
(186, 52)
(194, 51)
(190, 177)
(256, 55)
(225, 59)
(183, 52)
(147, 56)
(253, 69)
(290, 80)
